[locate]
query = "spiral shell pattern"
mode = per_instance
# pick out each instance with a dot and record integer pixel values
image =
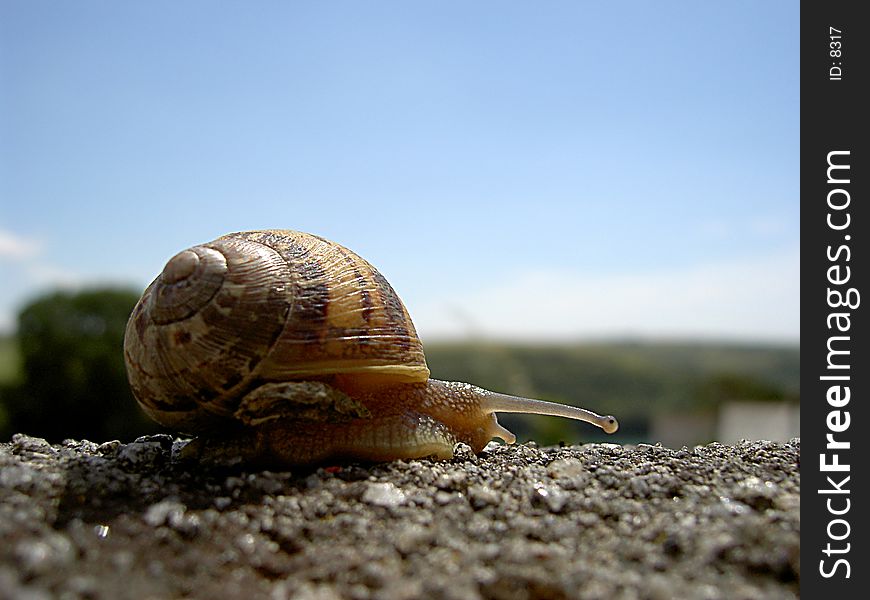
(261, 306)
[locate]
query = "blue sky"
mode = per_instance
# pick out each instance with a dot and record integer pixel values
(564, 170)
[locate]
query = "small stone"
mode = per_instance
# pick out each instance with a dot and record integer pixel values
(452, 481)
(481, 496)
(566, 468)
(383, 494)
(463, 452)
(141, 454)
(588, 519)
(413, 538)
(756, 493)
(553, 499)
(617, 448)
(787, 502)
(639, 487)
(17, 476)
(234, 483)
(22, 443)
(177, 446)
(268, 485)
(109, 448)
(308, 591)
(492, 446)
(246, 542)
(165, 440)
(442, 498)
(163, 512)
(38, 557)
(84, 586)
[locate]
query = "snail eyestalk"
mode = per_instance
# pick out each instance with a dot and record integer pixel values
(494, 402)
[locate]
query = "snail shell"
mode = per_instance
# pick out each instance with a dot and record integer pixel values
(284, 347)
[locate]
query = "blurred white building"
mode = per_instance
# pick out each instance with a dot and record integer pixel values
(734, 421)
(774, 421)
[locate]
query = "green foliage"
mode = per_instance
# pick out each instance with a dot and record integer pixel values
(10, 361)
(734, 386)
(73, 380)
(10, 375)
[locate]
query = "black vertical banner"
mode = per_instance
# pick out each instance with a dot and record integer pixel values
(835, 371)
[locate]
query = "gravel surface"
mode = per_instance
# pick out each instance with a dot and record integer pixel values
(112, 520)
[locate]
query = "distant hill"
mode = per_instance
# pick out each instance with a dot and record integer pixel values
(634, 381)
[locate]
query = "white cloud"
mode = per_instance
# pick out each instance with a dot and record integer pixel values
(14, 247)
(25, 273)
(753, 299)
(25, 256)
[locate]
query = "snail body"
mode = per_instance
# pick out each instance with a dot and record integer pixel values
(282, 347)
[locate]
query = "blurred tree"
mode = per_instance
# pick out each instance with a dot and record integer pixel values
(74, 382)
(10, 377)
(727, 387)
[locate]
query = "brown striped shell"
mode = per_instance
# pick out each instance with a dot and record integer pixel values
(261, 306)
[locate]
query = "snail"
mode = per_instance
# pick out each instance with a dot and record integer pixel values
(283, 347)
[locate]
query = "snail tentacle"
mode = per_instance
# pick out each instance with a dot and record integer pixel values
(495, 402)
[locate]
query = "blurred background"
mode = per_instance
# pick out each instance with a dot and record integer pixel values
(590, 203)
